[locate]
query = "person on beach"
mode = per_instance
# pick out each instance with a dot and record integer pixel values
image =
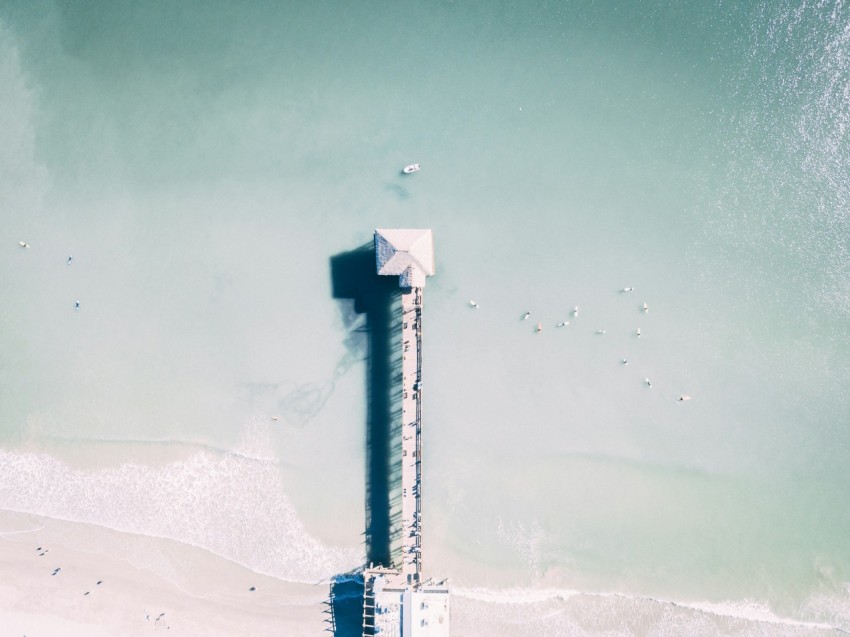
(526, 316)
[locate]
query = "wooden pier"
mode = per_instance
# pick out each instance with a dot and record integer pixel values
(397, 601)
(411, 444)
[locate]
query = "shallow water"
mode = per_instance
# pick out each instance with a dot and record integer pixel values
(202, 165)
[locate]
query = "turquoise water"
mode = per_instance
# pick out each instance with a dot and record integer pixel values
(202, 163)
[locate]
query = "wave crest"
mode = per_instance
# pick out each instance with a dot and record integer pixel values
(227, 504)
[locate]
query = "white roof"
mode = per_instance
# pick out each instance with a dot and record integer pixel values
(406, 253)
(425, 613)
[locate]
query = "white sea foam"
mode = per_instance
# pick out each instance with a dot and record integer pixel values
(515, 595)
(229, 504)
(833, 607)
(241, 450)
(746, 610)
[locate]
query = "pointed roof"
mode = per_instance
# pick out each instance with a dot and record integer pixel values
(408, 254)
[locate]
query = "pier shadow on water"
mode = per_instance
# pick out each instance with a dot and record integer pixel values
(345, 606)
(376, 316)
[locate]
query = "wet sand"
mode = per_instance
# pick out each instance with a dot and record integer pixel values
(147, 585)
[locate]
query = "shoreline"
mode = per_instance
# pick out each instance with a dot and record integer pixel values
(151, 584)
(147, 584)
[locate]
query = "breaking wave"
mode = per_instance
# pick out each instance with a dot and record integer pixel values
(229, 504)
(565, 611)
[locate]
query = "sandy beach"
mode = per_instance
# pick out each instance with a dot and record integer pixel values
(148, 585)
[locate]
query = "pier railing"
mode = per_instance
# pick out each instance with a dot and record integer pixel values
(411, 558)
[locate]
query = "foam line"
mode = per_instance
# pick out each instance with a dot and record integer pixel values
(225, 504)
(745, 610)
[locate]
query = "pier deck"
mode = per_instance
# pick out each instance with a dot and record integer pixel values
(411, 446)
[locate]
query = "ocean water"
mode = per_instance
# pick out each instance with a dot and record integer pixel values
(202, 163)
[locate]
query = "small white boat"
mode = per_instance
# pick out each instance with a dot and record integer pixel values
(412, 168)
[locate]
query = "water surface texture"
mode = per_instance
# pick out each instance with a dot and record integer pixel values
(202, 162)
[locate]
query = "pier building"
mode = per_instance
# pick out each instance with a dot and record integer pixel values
(398, 601)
